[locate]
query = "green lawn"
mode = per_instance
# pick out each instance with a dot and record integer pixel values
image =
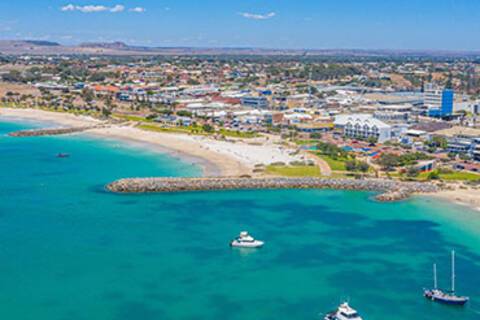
(130, 118)
(293, 171)
(335, 165)
(454, 176)
(186, 130)
(196, 131)
(306, 142)
(237, 134)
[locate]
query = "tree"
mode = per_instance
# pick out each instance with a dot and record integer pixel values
(13, 76)
(353, 165)
(412, 172)
(88, 95)
(184, 113)
(388, 161)
(208, 128)
(439, 142)
(106, 112)
(434, 175)
(372, 140)
(363, 166)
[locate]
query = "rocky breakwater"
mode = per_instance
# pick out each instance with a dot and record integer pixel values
(52, 131)
(389, 190)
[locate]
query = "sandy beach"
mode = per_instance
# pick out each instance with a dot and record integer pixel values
(462, 195)
(60, 118)
(217, 157)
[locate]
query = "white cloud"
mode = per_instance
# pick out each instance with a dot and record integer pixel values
(117, 8)
(138, 10)
(93, 8)
(68, 7)
(256, 16)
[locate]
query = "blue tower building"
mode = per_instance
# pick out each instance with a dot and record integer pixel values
(447, 102)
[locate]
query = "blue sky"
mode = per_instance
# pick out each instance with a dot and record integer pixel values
(363, 24)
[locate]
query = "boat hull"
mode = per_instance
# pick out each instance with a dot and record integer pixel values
(446, 299)
(330, 316)
(252, 245)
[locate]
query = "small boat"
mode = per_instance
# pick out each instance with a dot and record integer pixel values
(445, 297)
(344, 312)
(244, 240)
(63, 155)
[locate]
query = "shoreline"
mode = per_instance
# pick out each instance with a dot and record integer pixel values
(460, 195)
(215, 158)
(208, 168)
(231, 158)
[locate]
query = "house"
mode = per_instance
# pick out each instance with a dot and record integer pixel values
(255, 102)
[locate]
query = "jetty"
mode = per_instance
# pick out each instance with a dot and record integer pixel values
(52, 131)
(389, 190)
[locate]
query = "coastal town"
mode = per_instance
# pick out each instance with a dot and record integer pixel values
(411, 118)
(239, 160)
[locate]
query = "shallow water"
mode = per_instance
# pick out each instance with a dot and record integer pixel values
(69, 250)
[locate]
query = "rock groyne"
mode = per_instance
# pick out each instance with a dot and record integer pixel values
(52, 131)
(390, 190)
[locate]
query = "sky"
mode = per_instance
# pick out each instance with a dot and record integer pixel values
(292, 24)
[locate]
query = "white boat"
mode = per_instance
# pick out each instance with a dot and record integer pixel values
(344, 312)
(244, 240)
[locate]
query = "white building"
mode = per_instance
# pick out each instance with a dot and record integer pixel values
(363, 126)
(393, 113)
(432, 96)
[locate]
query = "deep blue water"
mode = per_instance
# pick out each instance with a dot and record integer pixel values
(70, 250)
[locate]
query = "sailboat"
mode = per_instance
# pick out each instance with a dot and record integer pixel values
(441, 296)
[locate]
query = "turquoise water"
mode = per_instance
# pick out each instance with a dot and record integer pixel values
(69, 250)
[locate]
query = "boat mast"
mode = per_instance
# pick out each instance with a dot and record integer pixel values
(435, 276)
(453, 271)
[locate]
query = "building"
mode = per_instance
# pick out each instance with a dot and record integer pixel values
(363, 126)
(314, 127)
(393, 113)
(476, 150)
(460, 144)
(465, 166)
(255, 102)
(438, 102)
(463, 140)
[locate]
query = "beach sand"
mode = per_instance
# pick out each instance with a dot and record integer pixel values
(60, 118)
(462, 195)
(217, 157)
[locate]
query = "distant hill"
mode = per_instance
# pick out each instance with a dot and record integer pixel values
(43, 43)
(38, 47)
(105, 45)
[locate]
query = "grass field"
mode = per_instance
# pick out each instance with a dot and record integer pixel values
(186, 130)
(130, 118)
(335, 165)
(237, 134)
(293, 171)
(196, 131)
(454, 176)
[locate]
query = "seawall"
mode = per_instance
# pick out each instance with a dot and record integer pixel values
(390, 190)
(52, 131)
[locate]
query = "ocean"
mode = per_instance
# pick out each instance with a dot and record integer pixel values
(71, 250)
